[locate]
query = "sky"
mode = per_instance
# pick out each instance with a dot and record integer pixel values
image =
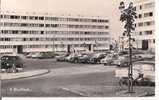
(103, 8)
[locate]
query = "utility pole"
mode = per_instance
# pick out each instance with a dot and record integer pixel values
(54, 44)
(128, 15)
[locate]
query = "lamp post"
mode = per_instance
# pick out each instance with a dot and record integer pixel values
(53, 44)
(95, 45)
(128, 15)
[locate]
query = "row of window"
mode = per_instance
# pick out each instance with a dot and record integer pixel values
(6, 46)
(148, 23)
(145, 15)
(49, 46)
(146, 6)
(8, 24)
(149, 32)
(54, 39)
(61, 46)
(53, 18)
(53, 32)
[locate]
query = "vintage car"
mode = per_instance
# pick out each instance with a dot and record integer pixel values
(62, 57)
(123, 61)
(85, 58)
(11, 63)
(108, 59)
(97, 57)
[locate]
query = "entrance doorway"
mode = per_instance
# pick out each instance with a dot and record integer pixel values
(145, 45)
(68, 48)
(90, 47)
(20, 49)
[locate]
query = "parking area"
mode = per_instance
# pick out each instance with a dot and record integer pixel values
(108, 58)
(70, 75)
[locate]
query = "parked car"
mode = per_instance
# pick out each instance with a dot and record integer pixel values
(36, 55)
(147, 56)
(44, 55)
(62, 57)
(33, 55)
(85, 58)
(29, 55)
(123, 61)
(10, 62)
(108, 60)
(143, 73)
(67, 58)
(97, 57)
(75, 58)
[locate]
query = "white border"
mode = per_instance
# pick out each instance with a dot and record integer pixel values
(117, 98)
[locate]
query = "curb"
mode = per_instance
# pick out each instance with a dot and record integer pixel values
(23, 77)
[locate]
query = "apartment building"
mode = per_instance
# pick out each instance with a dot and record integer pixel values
(145, 24)
(38, 32)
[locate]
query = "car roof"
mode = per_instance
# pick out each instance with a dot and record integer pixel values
(9, 56)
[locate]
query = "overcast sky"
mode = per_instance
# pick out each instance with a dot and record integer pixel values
(104, 8)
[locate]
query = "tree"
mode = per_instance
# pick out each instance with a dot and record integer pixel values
(128, 16)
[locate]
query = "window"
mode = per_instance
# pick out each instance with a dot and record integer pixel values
(47, 25)
(1, 16)
(148, 32)
(24, 24)
(140, 33)
(1, 24)
(135, 25)
(140, 7)
(106, 27)
(15, 32)
(149, 5)
(31, 17)
(36, 17)
(94, 20)
(146, 14)
(42, 32)
(54, 25)
(14, 17)
(41, 25)
(41, 18)
(149, 23)
(6, 16)
(24, 39)
(24, 17)
(151, 14)
(140, 15)
(140, 24)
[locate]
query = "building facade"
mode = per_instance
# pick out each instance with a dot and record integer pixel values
(145, 25)
(35, 32)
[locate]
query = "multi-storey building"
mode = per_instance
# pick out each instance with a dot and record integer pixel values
(35, 32)
(145, 24)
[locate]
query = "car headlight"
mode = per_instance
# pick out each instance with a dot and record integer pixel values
(7, 64)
